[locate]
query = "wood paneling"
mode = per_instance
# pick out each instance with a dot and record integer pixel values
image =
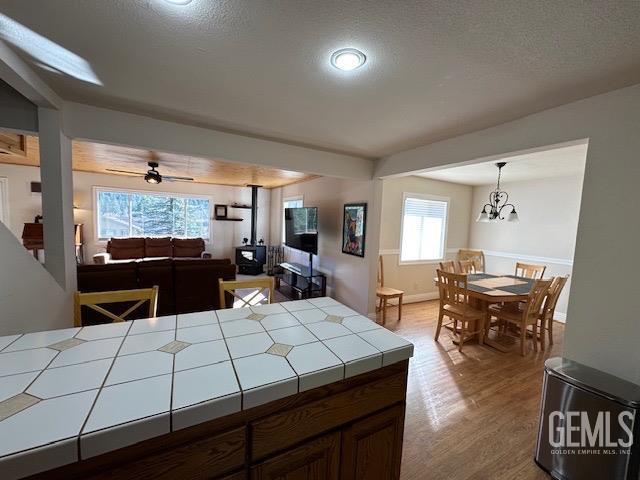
(97, 157)
(315, 460)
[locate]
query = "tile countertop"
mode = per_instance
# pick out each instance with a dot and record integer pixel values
(75, 393)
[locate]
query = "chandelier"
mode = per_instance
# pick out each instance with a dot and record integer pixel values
(492, 211)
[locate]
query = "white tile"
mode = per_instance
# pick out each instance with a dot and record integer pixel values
(357, 355)
(45, 422)
(88, 351)
(140, 365)
(268, 393)
(340, 311)
(249, 344)
(203, 333)
(262, 369)
(25, 361)
(200, 354)
(268, 309)
(384, 340)
(362, 365)
(203, 383)
(208, 410)
(319, 378)
(54, 382)
(146, 342)
(41, 339)
(124, 434)
(279, 320)
(325, 330)
(297, 305)
(155, 324)
(397, 355)
(310, 316)
(108, 330)
(240, 327)
(127, 402)
(360, 324)
(196, 319)
(47, 457)
(229, 314)
(316, 365)
(14, 384)
(293, 335)
(323, 302)
(4, 341)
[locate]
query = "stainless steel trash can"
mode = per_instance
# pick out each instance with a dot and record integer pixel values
(587, 424)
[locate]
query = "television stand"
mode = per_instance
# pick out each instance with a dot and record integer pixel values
(300, 282)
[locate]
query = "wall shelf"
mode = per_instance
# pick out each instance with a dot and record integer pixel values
(229, 219)
(248, 207)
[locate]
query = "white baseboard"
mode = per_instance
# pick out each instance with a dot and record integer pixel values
(416, 297)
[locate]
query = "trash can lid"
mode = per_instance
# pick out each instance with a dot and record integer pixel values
(595, 381)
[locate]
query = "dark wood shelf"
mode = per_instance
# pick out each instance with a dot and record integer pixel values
(230, 219)
(248, 207)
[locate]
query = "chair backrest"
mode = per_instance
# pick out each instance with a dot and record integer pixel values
(93, 300)
(476, 256)
(529, 270)
(452, 288)
(260, 285)
(380, 271)
(553, 294)
(466, 266)
(537, 295)
(448, 266)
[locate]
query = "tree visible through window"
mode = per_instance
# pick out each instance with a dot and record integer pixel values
(424, 226)
(139, 214)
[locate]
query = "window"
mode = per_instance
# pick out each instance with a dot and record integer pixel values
(424, 228)
(290, 202)
(125, 213)
(4, 205)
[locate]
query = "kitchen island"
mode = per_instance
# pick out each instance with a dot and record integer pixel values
(306, 388)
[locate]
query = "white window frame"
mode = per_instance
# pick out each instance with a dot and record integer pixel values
(424, 196)
(4, 212)
(97, 189)
(287, 199)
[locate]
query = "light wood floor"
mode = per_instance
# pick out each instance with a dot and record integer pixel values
(472, 415)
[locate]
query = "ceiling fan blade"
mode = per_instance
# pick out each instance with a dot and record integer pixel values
(124, 171)
(171, 178)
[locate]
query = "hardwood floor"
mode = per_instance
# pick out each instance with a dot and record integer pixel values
(470, 415)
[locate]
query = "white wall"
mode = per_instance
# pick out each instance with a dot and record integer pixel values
(23, 205)
(417, 280)
(348, 275)
(546, 234)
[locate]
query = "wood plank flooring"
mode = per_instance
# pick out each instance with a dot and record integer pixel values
(470, 415)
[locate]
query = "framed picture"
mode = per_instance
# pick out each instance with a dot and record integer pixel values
(220, 211)
(354, 226)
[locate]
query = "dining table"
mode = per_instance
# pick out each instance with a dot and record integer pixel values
(486, 289)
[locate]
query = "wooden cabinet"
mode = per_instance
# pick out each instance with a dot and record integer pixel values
(315, 460)
(372, 448)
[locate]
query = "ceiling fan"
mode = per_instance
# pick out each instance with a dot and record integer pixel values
(152, 175)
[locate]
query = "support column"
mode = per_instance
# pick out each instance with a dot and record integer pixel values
(57, 199)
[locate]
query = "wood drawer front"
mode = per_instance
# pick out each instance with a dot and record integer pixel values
(281, 430)
(201, 459)
(315, 460)
(372, 447)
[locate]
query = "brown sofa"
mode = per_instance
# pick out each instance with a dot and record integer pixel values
(138, 248)
(185, 284)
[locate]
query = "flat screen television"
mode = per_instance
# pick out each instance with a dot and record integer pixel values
(301, 229)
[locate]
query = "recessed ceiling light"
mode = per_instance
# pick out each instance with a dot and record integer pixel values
(178, 2)
(348, 59)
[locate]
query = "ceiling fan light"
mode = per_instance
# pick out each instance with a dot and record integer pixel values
(153, 177)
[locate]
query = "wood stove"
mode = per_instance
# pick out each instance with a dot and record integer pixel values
(252, 257)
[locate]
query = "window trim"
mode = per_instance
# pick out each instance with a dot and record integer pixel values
(4, 214)
(292, 198)
(424, 196)
(98, 188)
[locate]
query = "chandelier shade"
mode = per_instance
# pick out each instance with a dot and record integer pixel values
(498, 201)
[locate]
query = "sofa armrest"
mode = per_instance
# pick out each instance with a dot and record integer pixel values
(205, 255)
(102, 258)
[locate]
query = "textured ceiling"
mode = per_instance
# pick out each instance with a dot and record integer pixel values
(435, 68)
(558, 162)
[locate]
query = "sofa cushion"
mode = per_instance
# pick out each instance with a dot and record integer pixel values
(196, 283)
(188, 247)
(158, 247)
(125, 248)
(159, 273)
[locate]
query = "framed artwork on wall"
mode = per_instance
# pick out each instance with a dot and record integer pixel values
(354, 224)
(220, 211)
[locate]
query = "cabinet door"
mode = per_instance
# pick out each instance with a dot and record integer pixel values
(314, 460)
(372, 447)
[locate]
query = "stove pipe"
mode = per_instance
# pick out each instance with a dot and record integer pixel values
(254, 213)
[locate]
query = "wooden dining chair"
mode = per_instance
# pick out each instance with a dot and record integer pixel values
(524, 316)
(262, 286)
(93, 300)
(549, 309)
(476, 256)
(454, 303)
(385, 294)
(448, 266)
(529, 270)
(466, 266)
